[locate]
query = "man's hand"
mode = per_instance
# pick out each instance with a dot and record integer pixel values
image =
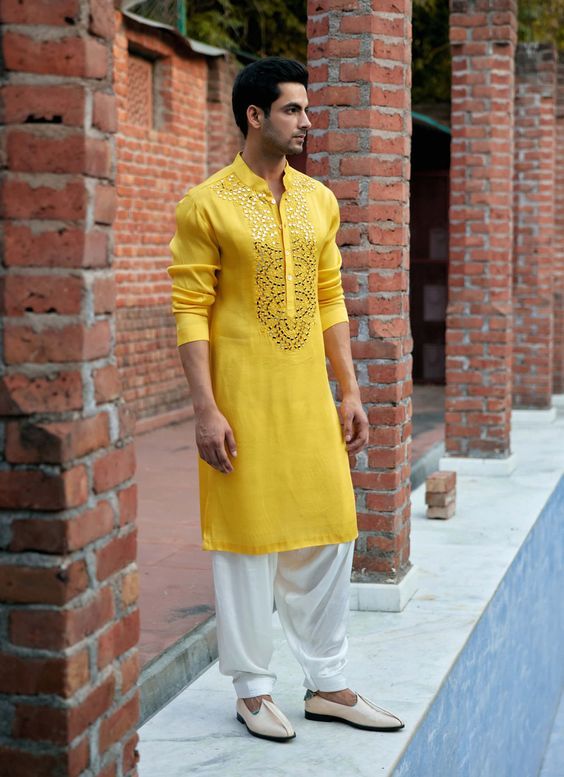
(354, 422)
(215, 439)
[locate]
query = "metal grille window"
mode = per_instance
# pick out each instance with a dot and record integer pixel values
(140, 74)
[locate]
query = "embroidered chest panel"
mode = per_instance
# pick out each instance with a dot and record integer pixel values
(288, 327)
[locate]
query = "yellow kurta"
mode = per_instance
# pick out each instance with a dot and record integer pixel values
(261, 283)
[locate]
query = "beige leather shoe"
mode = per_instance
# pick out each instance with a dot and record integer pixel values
(364, 714)
(268, 723)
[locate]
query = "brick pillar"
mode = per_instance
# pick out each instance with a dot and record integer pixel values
(535, 86)
(68, 580)
(558, 367)
(360, 66)
(479, 314)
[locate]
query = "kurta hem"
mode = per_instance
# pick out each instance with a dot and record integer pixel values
(280, 547)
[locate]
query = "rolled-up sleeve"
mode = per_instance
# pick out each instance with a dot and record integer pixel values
(196, 262)
(329, 287)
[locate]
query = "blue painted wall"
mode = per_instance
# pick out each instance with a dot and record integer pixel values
(493, 715)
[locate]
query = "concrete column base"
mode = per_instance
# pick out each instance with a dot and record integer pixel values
(384, 597)
(479, 467)
(558, 401)
(533, 417)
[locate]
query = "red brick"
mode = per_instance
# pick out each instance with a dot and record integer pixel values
(102, 20)
(60, 629)
(49, 104)
(62, 247)
(79, 758)
(21, 763)
(114, 468)
(49, 12)
(107, 384)
(104, 115)
(130, 588)
(43, 585)
(110, 770)
(373, 23)
(64, 201)
(82, 57)
(440, 500)
(36, 490)
(130, 754)
(27, 676)
(20, 394)
(104, 295)
(62, 725)
(118, 553)
(61, 294)
(35, 345)
(117, 725)
(440, 482)
(34, 151)
(105, 204)
(118, 639)
(335, 95)
(129, 669)
(62, 536)
(56, 443)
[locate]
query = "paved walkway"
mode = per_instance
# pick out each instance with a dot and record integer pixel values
(403, 660)
(176, 584)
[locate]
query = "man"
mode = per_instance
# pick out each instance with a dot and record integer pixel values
(259, 305)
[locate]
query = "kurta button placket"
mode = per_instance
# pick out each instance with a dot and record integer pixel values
(288, 260)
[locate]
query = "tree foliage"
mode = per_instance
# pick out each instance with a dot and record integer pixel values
(431, 51)
(256, 27)
(542, 21)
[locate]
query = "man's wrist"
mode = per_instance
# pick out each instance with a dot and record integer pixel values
(203, 406)
(350, 390)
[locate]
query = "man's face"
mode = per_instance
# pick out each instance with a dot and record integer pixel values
(284, 130)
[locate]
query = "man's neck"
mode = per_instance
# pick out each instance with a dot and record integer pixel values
(271, 168)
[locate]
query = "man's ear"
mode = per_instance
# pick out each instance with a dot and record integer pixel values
(255, 116)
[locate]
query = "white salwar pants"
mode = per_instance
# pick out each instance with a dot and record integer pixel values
(310, 587)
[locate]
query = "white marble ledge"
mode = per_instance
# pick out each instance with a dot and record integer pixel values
(399, 659)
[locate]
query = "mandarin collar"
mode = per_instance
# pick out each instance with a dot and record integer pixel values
(254, 181)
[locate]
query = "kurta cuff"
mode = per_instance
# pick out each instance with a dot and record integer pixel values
(191, 327)
(335, 313)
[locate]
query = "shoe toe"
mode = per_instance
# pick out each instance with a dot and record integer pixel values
(268, 723)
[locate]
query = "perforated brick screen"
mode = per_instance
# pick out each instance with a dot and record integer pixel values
(140, 90)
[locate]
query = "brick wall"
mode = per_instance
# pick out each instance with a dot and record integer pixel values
(68, 580)
(533, 255)
(558, 367)
(223, 136)
(167, 98)
(359, 63)
(479, 313)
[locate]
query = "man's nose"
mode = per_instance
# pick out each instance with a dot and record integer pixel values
(305, 122)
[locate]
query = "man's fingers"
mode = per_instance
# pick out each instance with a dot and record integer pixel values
(360, 436)
(216, 457)
(231, 445)
(224, 465)
(347, 426)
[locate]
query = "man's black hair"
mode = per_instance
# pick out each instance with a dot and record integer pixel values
(258, 84)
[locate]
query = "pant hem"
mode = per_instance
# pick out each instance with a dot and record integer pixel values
(327, 684)
(261, 686)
